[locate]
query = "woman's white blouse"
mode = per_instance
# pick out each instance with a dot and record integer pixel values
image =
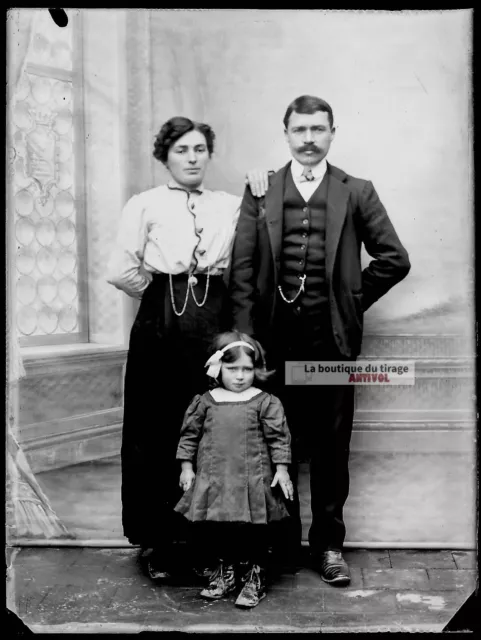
(170, 230)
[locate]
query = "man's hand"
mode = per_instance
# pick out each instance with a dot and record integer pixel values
(282, 477)
(258, 181)
(187, 476)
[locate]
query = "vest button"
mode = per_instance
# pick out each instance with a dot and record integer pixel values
(305, 209)
(201, 252)
(200, 229)
(305, 221)
(303, 246)
(304, 235)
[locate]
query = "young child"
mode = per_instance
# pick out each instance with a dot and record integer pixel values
(231, 438)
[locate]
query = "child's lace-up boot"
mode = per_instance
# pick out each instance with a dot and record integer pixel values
(254, 589)
(221, 582)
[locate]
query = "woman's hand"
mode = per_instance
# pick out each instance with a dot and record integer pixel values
(258, 181)
(283, 479)
(187, 478)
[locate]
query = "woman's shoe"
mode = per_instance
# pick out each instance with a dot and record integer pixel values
(221, 582)
(155, 573)
(254, 589)
(153, 563)
(145, 552)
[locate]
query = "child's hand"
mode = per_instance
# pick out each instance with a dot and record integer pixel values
(282, 478)
(187, 478)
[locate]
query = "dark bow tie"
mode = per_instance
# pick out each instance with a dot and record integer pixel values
(307, 175)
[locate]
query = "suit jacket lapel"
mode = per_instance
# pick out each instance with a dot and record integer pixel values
(337, 199)
(273, 211)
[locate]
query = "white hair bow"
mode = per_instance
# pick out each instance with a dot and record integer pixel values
(215, 361)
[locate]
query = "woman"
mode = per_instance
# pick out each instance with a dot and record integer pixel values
(172, 251)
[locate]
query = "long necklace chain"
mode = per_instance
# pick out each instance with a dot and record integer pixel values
(301, 289)
(177, 313)
(191, 282)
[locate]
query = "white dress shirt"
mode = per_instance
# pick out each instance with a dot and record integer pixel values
(306, 188)
(170, 230)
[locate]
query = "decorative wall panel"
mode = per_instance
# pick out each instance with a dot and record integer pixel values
(50, 397)
(41, 147)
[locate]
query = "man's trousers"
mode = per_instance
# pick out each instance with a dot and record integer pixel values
(320, 420)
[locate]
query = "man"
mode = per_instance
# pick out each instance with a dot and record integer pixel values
(296, 284)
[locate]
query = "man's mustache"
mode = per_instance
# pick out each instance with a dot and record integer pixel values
(308, 147)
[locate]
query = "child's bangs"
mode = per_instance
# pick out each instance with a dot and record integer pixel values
(233, 354)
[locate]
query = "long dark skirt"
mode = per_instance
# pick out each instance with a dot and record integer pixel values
(165, 369)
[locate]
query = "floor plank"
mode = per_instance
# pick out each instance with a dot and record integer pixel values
(465, 559)
(449, 580)
(421, 559)
(395, 579)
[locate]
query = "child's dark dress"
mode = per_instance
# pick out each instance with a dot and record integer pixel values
(234, 446)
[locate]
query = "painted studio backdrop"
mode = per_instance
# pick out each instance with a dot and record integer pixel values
(85, 102)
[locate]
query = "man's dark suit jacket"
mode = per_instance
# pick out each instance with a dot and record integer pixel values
(355, 215)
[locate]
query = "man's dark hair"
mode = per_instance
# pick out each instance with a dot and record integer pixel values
(309, 104)
(174, 129)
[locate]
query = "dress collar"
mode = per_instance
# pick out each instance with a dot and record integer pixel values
(318, 170)
(172, 184)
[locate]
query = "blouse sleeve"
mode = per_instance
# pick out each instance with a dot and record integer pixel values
(233, 206)
(125, 269)
(235, 217)
(191, 430)
(276, 431)
(236, 205)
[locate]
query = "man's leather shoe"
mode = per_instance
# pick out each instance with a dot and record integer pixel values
(333, 569)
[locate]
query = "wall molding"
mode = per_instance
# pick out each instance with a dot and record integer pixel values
(435, 365)
(57, 452)
(72, 439)
(82, 436)
(440, 354)
(411, 346)
(70, 358)
(122, 543)
(425, 423)
(445, 418)
(420, 441)
(89, 441)
(34, 436)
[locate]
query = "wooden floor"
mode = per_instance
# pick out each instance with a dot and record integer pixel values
(62, 590)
